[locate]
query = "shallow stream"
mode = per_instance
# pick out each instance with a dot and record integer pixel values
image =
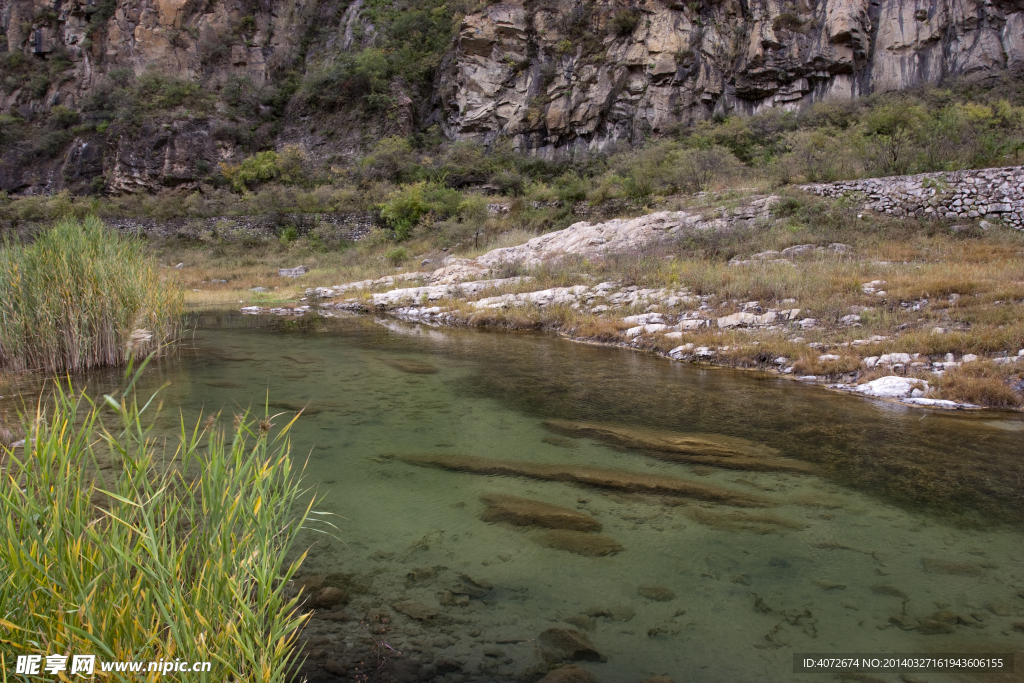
(905, 519)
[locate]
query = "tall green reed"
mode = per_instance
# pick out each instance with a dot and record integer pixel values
(81, 296)
(114, 544)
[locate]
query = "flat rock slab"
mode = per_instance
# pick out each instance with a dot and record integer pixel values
(526, 512)
(620, 480)
(579, 543)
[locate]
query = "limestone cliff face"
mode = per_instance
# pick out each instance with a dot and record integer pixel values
(521, 69)
(551, 74)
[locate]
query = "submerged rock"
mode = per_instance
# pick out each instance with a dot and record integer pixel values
(414, 367)
(415, 610)
(614, 613)
(886, 589)
(620, 480)
(904, 622)
(330, 596)
(588, 544)
(560, 441)
(526, 512)
(931, 627)
(583, 621)
(740, 521)
(569, 674)
(706, 449)
(660, 440)
(473, 588)
(951, 567)
(295, 407)
(565, 644)
(656, 593)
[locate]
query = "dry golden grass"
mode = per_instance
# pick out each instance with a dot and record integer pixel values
(984, 384)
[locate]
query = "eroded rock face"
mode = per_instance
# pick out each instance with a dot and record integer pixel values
(523, 70)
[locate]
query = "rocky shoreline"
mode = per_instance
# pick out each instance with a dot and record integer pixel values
(639, 331)
(679, 322)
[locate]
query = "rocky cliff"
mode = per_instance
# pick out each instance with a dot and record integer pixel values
(124, 95)
(567, 74)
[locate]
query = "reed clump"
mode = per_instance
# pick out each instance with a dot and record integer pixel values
(109, 547)
(82, 296)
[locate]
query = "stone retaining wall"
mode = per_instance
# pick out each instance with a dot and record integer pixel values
(991, 193)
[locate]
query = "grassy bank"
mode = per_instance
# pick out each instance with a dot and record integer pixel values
(81, 296)
(109, 547)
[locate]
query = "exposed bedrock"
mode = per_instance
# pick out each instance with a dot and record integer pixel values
(558, 74)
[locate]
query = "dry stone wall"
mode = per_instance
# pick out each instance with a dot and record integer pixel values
(991, 194)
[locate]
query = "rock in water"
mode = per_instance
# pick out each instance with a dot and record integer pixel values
(569, 674)
(526, 512)
(415, 610)
(330, 596)
(295, 406)
(953, 568)
(660, 440)
(414, 367)
(560, 441)
(932, 627)
(886, 589)
(590, 545)
(740, 521)
(656, 593)
(615, 612)
(704, 449)
(620, 480)
(565, 644)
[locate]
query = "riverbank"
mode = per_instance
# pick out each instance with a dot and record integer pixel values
(813, 288)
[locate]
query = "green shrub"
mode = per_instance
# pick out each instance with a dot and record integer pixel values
(154, 563)
(286, 167)
(81, 296)
(625, 22)
(407, 205)
(289, 234)
(397, 256)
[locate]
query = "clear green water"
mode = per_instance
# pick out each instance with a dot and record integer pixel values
(899, 487)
